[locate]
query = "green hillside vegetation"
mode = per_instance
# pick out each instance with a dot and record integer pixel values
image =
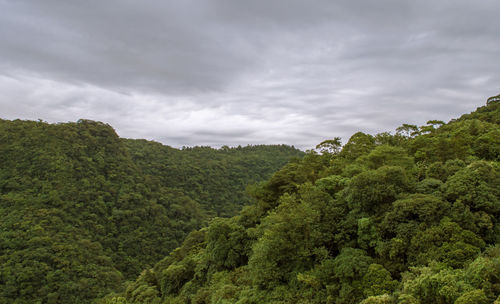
(83, 210)
(215, 178)
(406, 218)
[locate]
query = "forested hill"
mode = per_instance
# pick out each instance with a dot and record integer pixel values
(408, 218)
(83, 210)
(216, 178)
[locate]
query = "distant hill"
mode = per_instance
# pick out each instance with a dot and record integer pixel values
(411, 217)
(83, 210)
(215, 178)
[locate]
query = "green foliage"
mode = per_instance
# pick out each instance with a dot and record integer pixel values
(378, 281)
(407, 130)
(447, 243)
(367, 233)
(214, 178)
(83, 210)
(374, 190)
(290, 234)
(408, 218)
(382, 299)
(433, 286)
(228, 244)
(330, 146)
(358, 145)
(478, 281)
(476, 296)
(412, 214)
(112, 299)
(385, 155)
(476, 186)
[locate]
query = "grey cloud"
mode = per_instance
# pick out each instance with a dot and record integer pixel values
(237, 72)
(128, 47)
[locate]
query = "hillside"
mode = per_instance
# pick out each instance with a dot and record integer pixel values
(406, 218)
(215, 178)
(83, 210)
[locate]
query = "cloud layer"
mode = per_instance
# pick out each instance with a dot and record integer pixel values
(223, 72)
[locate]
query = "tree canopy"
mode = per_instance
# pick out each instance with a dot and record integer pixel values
(83, 210)
(406, 218)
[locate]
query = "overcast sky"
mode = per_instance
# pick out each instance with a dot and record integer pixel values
(229, 72)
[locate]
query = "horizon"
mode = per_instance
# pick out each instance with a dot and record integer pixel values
(224, 73)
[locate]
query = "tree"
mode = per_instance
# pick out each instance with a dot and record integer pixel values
(377, 281)
(330, 146)
(407, 130)
(359, 144)
(374, 190)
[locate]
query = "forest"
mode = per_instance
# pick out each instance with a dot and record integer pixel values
(410, 217)
(250, 152)
(84, 211)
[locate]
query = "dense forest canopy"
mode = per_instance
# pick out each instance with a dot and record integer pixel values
(410, 217)
(215, 178)
(84, 210)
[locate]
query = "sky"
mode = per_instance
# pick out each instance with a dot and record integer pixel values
(229, 72)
